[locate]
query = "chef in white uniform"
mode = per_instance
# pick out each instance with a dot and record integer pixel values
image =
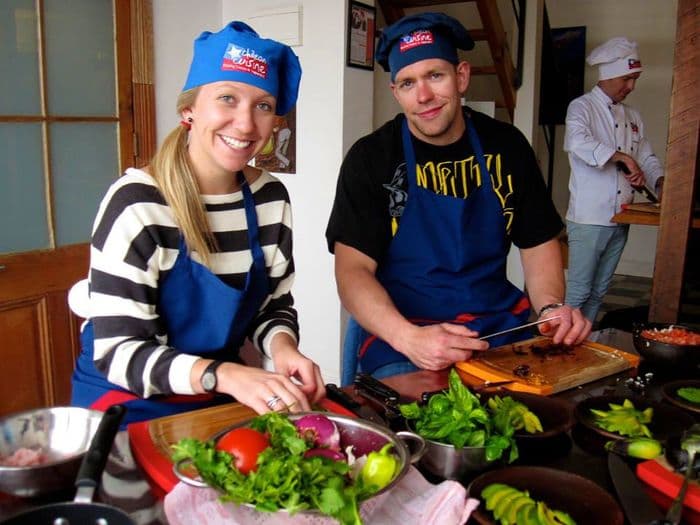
(602, 135)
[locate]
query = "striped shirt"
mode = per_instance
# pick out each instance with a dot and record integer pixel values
(135, 243)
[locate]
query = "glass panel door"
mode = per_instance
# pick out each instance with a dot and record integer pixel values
(59, 119)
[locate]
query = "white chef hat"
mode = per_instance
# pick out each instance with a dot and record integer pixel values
(615, 58)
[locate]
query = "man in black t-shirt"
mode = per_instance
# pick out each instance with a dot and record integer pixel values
(425, 212)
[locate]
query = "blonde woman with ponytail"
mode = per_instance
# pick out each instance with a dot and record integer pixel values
(192, 255)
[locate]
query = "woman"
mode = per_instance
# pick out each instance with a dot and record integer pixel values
(193, 254)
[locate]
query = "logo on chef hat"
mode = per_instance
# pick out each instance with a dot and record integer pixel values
(634, 63)
(417, 38)
(245, 60)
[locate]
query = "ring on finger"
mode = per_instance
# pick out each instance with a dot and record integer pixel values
(273, 401)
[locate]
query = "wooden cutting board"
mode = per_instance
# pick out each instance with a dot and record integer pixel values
(549, 374)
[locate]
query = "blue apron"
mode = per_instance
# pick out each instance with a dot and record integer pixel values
(447, 262)
(202, 315)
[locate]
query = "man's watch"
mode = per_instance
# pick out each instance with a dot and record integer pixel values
(208, 379)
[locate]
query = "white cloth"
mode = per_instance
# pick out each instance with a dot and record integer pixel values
(595, 129)
(616, 58)
(413, 501)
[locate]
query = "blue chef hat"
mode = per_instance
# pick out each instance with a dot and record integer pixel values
(239, 54)
(419, 37)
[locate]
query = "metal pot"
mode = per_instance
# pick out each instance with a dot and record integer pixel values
(364, 436)
(81, 509)
(62, 434)
(665, 354)
(449, 462)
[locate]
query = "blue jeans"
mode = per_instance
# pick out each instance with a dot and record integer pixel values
(354, 337)
(594, 252)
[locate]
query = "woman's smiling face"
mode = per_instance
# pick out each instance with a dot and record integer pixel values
(231, 122)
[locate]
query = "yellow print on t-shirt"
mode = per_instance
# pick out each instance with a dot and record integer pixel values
(460, 178)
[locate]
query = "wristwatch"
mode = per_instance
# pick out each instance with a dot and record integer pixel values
(550, 306)
(208, 379)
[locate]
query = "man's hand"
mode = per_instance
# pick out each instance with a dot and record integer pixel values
(438, 346)
(635, 176)
(571, 328)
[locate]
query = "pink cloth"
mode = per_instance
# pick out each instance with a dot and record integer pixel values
(413, 501)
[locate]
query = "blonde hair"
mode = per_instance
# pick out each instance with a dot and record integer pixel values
(172, 171)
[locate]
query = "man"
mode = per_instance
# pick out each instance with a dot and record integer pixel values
(425, 210)
(609, 156)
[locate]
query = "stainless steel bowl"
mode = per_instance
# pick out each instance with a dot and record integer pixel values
(364, 436)
(62, 434)
(449, 462)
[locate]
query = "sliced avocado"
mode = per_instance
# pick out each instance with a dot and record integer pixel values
(544, 515)
(563, 518)
(498, 496)
(511, 514)
(527, 515)
(491, 489)
(501, 508)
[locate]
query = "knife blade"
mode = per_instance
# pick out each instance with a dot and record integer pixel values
(520, 327)
(643, 189)
(334, 393)
(639, 508)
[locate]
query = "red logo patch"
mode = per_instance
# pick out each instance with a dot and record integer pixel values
(633, 63)
(417, 38)
(634, 127)
(244, 60)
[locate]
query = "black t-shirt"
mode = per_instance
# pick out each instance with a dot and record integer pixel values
(372, 187)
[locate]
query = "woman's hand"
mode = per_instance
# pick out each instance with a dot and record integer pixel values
(261, 390)
(290, 362)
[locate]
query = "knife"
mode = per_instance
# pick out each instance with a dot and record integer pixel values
(381, 396)
(334, 393)
(521, 327)
(639, 508)
(643, 189)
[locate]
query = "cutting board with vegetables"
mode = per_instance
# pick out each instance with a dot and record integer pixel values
(540, 367)
(151, 440)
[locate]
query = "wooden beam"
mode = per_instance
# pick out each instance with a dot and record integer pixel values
(681, 170)
(491, 20)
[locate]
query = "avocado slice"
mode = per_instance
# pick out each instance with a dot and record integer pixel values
(499, 495)
(491, 489)
(563, 518)
(527, 514)
(511, 514)
(503, 505)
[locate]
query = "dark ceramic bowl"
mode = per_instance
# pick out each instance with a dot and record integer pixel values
(583, 500)
(556, 415)
(664, 354)
(670, 393)
(666, 421)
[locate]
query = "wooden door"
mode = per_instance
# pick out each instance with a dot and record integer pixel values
(39, 335)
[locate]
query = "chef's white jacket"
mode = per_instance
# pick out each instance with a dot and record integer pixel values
(595, 129)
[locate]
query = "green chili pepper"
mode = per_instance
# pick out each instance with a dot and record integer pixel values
(380, 468)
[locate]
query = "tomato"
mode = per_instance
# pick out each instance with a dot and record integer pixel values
(245, 445)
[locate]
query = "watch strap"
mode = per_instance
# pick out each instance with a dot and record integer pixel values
(209, 385)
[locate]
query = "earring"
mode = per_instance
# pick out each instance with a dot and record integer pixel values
(187, 124)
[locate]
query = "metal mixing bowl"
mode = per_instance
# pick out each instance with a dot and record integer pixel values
(449, 462)
(61, 434)
(364, 437)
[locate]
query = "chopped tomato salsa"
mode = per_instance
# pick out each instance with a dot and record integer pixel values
(672, 335)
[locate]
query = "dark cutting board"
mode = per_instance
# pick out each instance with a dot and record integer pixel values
(550, 374)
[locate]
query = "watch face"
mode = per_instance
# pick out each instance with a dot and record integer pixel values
(208, 381)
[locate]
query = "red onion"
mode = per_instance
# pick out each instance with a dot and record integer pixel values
(326, 453)
(318, 430)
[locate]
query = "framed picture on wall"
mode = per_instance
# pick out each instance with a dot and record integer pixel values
(361, 30)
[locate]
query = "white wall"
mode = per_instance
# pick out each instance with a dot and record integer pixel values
(652, 24)
(334, 108)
